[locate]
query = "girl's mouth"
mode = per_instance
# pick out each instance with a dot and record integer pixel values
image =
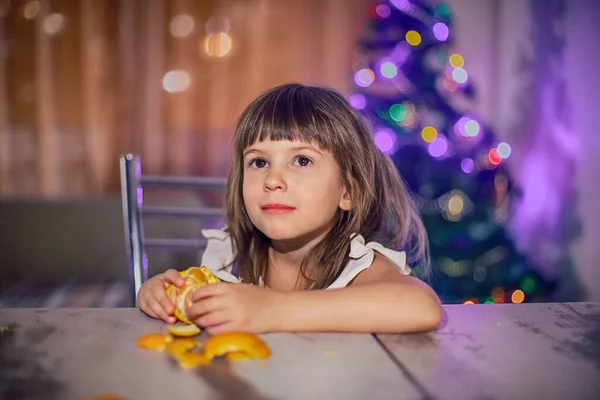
(277, 208)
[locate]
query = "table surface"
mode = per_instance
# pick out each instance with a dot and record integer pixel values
(524, 351)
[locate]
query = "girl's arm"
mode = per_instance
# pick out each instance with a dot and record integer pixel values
(379, 299)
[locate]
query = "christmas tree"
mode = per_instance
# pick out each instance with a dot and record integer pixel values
(416, 93)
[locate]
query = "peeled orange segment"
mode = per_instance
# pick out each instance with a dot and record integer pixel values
(154, 341)
(183, 330)
(244, 342)
(179, 346)
(202, 274)
(192, 359)
(194, 277)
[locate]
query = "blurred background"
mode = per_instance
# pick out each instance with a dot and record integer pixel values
(489, 109)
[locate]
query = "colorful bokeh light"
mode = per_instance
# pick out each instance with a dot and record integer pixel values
(364, 77)
(441, 31)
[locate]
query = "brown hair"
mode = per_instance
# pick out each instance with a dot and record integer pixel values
(382, 209)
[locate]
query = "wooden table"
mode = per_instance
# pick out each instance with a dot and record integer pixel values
(526, 351)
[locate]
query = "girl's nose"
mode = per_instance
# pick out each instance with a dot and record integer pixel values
(275, 180)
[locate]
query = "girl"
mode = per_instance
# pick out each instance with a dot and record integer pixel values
(311, 204)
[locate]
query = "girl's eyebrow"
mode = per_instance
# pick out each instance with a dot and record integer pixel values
(251, 150)
(295, 148)
(306, 147)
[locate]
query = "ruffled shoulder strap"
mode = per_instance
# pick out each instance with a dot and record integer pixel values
(218, 255)
(362, 256)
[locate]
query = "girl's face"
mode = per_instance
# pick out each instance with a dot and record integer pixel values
(292, 190)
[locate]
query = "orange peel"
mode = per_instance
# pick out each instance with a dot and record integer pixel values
(154, 341)
(194, 277)
(236, 342)
(183, 330)
(191, 359)
(237, 355)
(177, 347)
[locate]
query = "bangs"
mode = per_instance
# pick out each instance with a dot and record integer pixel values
(289, 112)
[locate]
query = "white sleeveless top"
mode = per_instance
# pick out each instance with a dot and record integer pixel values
(218, 257)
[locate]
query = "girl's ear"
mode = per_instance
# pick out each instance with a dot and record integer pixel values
(345, 201)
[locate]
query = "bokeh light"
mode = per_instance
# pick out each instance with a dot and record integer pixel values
(438, 147)
(385, 140)
(528, 285)
(504, 150)
(413, 38)
(467, 165)
(460, 75)
(469, 302)
(383, 10)
(217, 44)
(441, 31)
(467, 127)
(456, 204)
(517, 296)
(401, 4)
(31, 9)
(398, 112)
(429, 134)
(449, 85)
(54, 23)
(498, 293)
(182, 25)
(364, 77)
(493, 156)
(472, 128)
(176, 81)
(388, 69)
(456, 60)
(358, 101)
(443, 10)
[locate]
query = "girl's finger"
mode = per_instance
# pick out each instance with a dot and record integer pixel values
(172, 276)
(205, 306)
(216, 329)
(161, 296)
(142, 304)
(160, 313)
(214, 319)
(213, 289)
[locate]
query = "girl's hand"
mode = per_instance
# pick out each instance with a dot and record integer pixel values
(152, 298)
(221, 307)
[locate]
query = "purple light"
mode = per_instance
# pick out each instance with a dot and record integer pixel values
(400, 4)
(467, 165)
(388, 69)
(459, 126)
(383, 10)
(364, 77)
(467, 127)
(400, 53)
(358, 101)
(438, 147)
(385, 140)
(441, 31)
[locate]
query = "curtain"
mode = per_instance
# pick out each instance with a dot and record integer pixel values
(84, 81)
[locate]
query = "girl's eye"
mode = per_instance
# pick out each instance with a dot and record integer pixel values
(302, 161)
(258, 163)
